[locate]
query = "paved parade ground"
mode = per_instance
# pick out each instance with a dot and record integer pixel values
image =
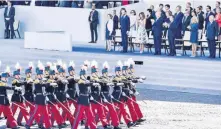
(179, 93)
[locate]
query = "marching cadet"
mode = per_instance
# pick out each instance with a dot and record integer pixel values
(96, 95)
(126, 95)
(52, 104)
(84, 101)
(117, 95)
(61, 94)
(17, 98)
(72, 85)
(29, 94)
(47, 69)
(133, 88)
(4, 101)
(40, 99)
(106, 85)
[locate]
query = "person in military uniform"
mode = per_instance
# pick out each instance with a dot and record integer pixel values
(4, 101)
(47, 69)
(52, 103)
(84, 101)
(29, 94)
(118, 95)
(106, 84)
(134, 79)
(40, 99)
(17, 98)
(96, 102)
(72, 86)
(62, 96)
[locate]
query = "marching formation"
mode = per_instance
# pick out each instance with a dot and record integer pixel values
(47, 98)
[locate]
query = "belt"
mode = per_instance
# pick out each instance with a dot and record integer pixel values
(50, 93)
(39, 93)
(117, 90)
(84, 94)
(106, 92)
(2, 95)
(95, 92)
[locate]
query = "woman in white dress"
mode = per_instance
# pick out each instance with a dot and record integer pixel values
(141, 31)
(109, 31)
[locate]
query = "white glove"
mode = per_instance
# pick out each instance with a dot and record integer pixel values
(110, 84)
(30, 81)
(137, 93)
(105, 100)
(55, 97)
(133, 84)
(143, 77)
(123, 94)
(44, 79)
(53, 84)
(120, 84)
(140, 80)
(131, 92)
(95, 84)
(18, 88)
(91, 98)
(67, 95)
(87, 81)
(112, 96)
(64, 81)
(46, 98)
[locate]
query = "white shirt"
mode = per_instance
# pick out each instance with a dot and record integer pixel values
(110, 25)
(133, 20)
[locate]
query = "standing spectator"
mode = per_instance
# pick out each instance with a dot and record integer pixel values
(178, 22)
(208, 14)
(163, 14)
(109, 30)
(212, 33)
(148, 25)
(201, 7)
(194, 34)
(133, 22)
(153, 12)
(171, 36)
(166, 22)
(188, 7)
(125, 28)
(167, 9)
(200, 21)
(218, 20)
(186, 22)
(93, 19)
(87, 3)
(9, 15)
(157, 33)
(217, 7)
(141, 31)
(116, 21)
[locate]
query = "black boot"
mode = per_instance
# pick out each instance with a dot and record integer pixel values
(86, 127)
(117, 127)
(82, 122)
(15, 128)
(130, 124)
(107, 127)
(62, 126)
(141, 120)
(27, 127)
(20, 124)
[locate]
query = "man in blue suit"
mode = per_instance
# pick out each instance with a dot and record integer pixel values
(212, 33)
(157, 29)
(125, 28)
(9, 15)
(178, 22)
(171, 37)
(93, 19)
(208, 14)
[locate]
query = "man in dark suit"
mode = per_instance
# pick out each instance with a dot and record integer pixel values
(208, 14)
(163, 14)
(212, 34)
(178, 22)
(153, 12)
(157, 33)
(171, 37)
(93, 19)
(217, 6)
(186, 22)
(115, 22)
(188, 7)
(200, 18)
(9, 20)
(125, 28)
(167, 9)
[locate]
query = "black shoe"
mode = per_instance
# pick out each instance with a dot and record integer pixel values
(86, 127)
(121, 123)
(130, 124)
(20, 124)
(27, 127)
(95, 41)
(155, 53)
(137, 123)
(107, 127)
(62, 126)
(82, 122)
(12, 38)
(117, 127)
(141, 120)
(91, 42)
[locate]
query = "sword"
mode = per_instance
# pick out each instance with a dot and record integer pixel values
(27, 100)
(64, 107)
(19, 106)
(133, 100)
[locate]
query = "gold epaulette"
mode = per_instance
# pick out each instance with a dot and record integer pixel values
(29, 79)
(116, 78)
(94, 78)
(81, 81)
(37, 81)
(2, 83)
(50, 81)
(15, 81)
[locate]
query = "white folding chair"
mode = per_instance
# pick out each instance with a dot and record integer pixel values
(117, 39)
(16, 27)
(110, 4)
